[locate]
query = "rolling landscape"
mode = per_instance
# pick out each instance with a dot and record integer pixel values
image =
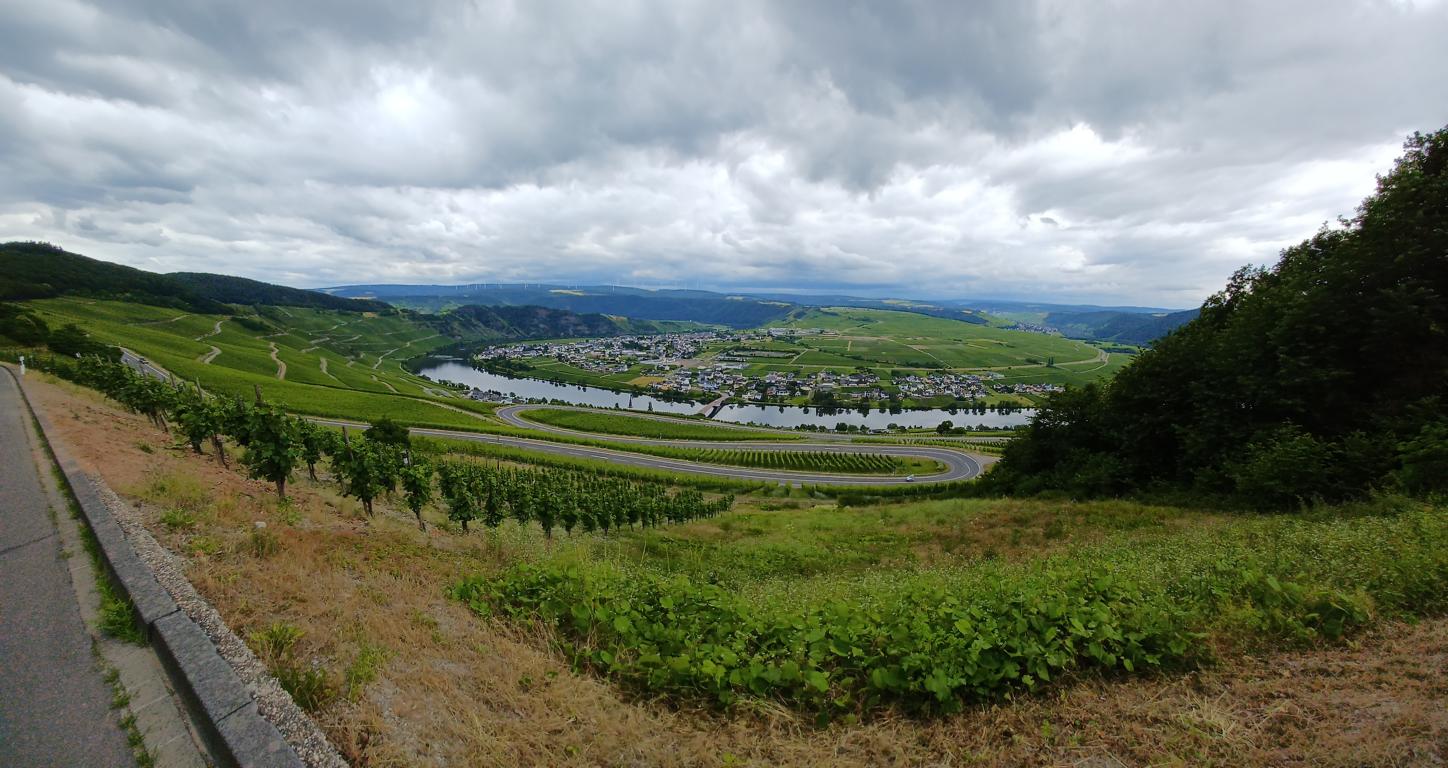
(527, 408)
(651, 548)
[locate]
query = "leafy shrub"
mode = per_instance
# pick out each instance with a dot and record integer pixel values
(178, 517)
(932, 643)
(263, 543)
(1423, 460)
(1284, 467)
(310, 687)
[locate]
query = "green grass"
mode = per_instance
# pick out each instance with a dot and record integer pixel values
(929, 606)
(653, 428)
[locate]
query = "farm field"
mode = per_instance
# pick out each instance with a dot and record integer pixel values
(1190, 609)
(907, 339)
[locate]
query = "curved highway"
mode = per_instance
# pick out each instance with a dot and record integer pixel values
(958, 464)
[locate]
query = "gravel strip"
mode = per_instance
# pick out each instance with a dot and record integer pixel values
(274, 703)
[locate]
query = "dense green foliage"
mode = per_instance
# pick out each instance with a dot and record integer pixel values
(41, 270)
(1319, 378)
(931, 641)
(366, 468)
(239, 290)
(529, 322)
(1113, 325)
(273, 445)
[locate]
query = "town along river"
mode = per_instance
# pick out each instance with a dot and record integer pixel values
(769, 415)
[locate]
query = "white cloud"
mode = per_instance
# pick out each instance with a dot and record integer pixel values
(1133, 155)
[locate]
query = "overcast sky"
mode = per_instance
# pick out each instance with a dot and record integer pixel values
(1064, 151)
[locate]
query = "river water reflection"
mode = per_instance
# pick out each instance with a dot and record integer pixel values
(771, 415)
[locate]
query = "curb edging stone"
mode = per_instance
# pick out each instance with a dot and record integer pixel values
(233, 727)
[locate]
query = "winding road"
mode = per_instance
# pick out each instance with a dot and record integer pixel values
(958, 464)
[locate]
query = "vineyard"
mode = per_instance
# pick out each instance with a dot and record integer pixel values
(655, 428)
(276, 445)
(563, 499)
(811, 461)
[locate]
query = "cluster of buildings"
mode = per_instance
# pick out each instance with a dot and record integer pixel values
(961, 386)
(1028, 389)
(616, 354)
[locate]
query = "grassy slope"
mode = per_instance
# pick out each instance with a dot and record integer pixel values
(359, 390)
(370, 591)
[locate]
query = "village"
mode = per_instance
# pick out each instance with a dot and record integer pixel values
(713, 364)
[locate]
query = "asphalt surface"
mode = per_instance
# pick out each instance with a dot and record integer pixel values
(54, 704)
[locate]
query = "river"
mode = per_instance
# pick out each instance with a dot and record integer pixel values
(770, 415)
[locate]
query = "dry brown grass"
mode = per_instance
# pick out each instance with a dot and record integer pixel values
(455, 690)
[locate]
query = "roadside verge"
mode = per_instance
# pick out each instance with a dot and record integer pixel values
(227, 713)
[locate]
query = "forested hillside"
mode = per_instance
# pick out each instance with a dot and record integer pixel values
(528, 322)
(42, 270)
(679, 305)
(1321, 377)
(1127, 327)
(239, 290)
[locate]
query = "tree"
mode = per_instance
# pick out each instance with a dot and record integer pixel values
(316, 441)
(1294, 382)
(195, 416)
(417, 484)
(492, 510)
(944, 427)
(453, 483)
(364, 466)
(273, 447)
(388, 432)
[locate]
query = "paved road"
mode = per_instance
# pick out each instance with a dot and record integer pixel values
(54, 706)
(959, 465)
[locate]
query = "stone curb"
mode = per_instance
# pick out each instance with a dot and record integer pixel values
(234, 729)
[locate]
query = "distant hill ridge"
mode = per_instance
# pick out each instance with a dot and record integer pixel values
(681, 305)
(41, 271)
(512, 323)
(1133, 325)
(240, 290)
(31, 270)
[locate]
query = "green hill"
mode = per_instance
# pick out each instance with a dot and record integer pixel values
(239, 290)
(41, 270)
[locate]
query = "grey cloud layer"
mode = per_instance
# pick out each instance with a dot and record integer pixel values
(1127, 152)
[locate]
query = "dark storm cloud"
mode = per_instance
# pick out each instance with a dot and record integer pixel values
(1136, 152)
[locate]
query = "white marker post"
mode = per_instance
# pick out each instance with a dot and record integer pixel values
(22, 365)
